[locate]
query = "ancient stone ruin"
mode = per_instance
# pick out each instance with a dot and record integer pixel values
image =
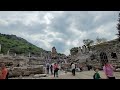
(54, 53)
(98, 54)
(22, 66)
(108, 51)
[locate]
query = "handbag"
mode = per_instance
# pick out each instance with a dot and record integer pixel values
(57, 69)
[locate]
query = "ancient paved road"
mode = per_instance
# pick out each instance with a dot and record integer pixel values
(80, 75)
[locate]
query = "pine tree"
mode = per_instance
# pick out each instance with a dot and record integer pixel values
(118, 27)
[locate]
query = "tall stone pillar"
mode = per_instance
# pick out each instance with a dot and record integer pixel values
(41, 55)
(15, 54)
(8, 52)
(87, 50)
(29, 55)
(83, 49)
(79, 51)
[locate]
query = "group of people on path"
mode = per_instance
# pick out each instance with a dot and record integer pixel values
(108, 70)
(53, 69)
(3, 71)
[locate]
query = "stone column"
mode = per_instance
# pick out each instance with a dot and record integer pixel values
(87, 50)
(15, 54)
(83, 49)
(79, 51)
(41, 54)
(29, 54)
(8, 52)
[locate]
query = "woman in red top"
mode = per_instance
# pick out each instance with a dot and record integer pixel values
(56, 70)
(4, 71)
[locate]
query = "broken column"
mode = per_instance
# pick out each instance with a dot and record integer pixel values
(15, 54)
(8, 53)
(29, 55)
(83, 48)
(87, 50)
(79, 51)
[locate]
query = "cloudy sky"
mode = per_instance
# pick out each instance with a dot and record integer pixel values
(62, 29)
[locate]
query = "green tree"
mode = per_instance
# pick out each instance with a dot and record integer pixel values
(88, 43)
(100, 40)
(74, 51)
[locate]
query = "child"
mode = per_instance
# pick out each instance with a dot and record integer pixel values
(96, 75)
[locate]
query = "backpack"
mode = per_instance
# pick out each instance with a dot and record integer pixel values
(51, 66)
(94, 76)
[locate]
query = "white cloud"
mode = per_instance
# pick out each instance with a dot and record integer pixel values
(3, 22)
(107, 30)
(67, 52)
(48, 18)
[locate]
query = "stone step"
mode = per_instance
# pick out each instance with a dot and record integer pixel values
(39, 75)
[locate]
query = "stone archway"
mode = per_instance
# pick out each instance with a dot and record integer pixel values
(103, 57)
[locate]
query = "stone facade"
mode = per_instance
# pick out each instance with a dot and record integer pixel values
(81, 56)
(54, 53)
(107, 51)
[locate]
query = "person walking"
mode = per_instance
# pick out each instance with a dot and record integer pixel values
(4, 72)
(47, 67)
(56, 70)
(108, 70)
(96, 74)
(51, 69)
(73, 69)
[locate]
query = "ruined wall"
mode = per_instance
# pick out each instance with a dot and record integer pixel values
(108, 48)
(93, 56)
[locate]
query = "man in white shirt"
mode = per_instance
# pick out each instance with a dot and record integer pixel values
(47, 67)
(73, 69)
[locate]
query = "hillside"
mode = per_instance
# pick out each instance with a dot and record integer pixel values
(18, 45)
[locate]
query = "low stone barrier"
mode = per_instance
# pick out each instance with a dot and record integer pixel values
(25, 71)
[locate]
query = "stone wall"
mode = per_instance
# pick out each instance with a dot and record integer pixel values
(25, 71)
